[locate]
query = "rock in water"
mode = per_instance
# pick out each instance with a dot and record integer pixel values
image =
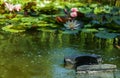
(78, 60)
(95, 68)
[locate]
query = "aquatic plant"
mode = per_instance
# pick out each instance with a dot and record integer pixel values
(50, 8)
(31, 9)
(85, 10)
(12, 7)
(106, 35)
(74, 10)
(71, 17)
(73, 14)
(10, 28)
(72, 25)
(17, 7)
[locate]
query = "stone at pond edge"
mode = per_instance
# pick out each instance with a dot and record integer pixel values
(99, 74)
(95, 68)
(83, 59)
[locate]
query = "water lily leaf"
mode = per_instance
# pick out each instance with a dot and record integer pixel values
(98, 10)
(116, 19)
(107, 9)
(69, 31)
(87, 26)
(10, 29)
(15, 19)
(85, 10)
(101, 29)
(115, 11)
(46, 29)
(93, 5)
(29, 19)
(106, 35)
(95, 22)
(1, 16)
(2, 20)
(89, 30)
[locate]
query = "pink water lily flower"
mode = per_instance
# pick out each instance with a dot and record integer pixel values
(10, 7)
(73, 14)
(17, 7)
(74, 9)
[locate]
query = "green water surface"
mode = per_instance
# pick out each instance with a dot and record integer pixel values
(41, 54)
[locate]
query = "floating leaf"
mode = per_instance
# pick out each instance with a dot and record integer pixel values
(69, 31)
(101, 29)
(106, 35)
(116, 19)
(10, 29)
(98, 10)
(1, 16)
(46, 29)
(107, 9)
(85, 10)
(93, 5)
(87, 26)
(89, 30)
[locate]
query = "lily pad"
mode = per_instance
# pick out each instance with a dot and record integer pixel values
(89, 30)
(85, 10)
(69, 31)
(46, 29)
(98, 10)
(106, 35)
(87, 25)
(1, 16)
(107, 9)
(116, 19)
(93, 5)
(10, 29)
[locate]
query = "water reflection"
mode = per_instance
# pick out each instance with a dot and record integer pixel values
(40, 54)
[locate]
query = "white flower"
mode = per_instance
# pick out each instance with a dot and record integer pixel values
(10, 7)
(72, 24)
(17, 7)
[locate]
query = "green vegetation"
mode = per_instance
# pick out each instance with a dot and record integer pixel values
(59, 16)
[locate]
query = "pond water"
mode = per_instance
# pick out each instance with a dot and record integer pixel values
(41, 54)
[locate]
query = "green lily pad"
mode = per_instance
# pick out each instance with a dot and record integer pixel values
(89, 30)
(85, 9)
(93, 5)
(116, 19)
(107, 9)
(87, 25)
(2, 21)
(10, 29)
(2, 16)
(46, 30)
(98, 10)
(69, 31)
(106, 35)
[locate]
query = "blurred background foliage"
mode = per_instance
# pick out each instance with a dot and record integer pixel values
(109, 2)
